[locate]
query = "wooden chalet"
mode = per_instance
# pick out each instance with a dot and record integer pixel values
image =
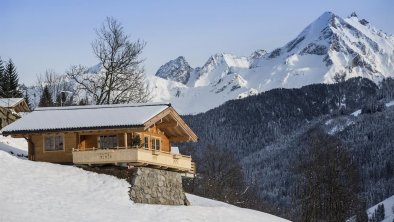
(11, 110)
(127, 135)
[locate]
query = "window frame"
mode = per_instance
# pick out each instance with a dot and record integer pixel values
(154, 144)
(53, 135)
(146, 142)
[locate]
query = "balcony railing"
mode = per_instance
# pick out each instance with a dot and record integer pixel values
(136, 157)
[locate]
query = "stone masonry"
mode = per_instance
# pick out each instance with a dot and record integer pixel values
(155, 186)
(148, 185)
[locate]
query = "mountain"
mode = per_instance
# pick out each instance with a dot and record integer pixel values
(36, 191)
(329, 50)
(217, 81)
(176, 70)
(264, 132)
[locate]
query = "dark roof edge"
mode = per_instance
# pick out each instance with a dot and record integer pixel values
(106, 106)
(7, 133)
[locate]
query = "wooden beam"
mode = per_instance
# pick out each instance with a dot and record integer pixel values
(109, 131)
(171, 113)
(167, 125)
(157, 118)
(179, 138)
(125, 140)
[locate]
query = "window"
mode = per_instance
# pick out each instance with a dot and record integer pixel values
(105, 142)
(53, 143)
(158, 144)
(146, 142)
(155, 143)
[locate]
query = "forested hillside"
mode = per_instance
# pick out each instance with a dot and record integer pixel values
(265, 132)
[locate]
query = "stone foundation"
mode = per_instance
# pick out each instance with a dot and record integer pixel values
(148, 185)
(155, 186)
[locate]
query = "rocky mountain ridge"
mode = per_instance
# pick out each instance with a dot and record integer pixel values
(329, 50)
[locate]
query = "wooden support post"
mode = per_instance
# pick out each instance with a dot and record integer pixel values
(78, 140)
(125, 140)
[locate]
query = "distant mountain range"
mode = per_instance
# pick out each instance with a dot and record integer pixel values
(329, 50)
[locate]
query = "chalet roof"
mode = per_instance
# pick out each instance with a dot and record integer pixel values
(10, 102)
(85, 117)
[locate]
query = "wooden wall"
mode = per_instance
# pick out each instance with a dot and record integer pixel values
(75, 140)
(155, 132)
(6, 117)
(88, 141)
(61, 156)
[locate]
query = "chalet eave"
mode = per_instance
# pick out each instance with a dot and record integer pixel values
(170, 122)
(21, 133)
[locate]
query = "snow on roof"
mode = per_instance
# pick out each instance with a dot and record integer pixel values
(9, 102)
(85, 117)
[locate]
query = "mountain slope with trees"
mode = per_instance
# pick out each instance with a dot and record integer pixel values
(265, 133)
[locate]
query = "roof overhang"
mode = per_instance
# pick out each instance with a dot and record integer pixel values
(171, 123)
(167, 120)
(24, 132)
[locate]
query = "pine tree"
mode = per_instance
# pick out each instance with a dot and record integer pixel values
(61, 99)
(46, 98)
(380, 212)
(1, 78)
(10, 81)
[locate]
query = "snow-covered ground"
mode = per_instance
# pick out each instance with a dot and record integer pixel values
(37, 191)
(388, 208)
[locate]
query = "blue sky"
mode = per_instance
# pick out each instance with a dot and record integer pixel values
(47, 34)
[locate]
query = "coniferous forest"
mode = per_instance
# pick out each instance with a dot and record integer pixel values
(285, 141)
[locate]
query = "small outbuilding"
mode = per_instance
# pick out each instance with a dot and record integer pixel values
(11, 109)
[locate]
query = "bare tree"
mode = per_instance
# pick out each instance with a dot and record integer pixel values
(121, 78)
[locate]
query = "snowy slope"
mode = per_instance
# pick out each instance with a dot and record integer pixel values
(37, 191)
(13, 146)
(388, 208)
(328, 50)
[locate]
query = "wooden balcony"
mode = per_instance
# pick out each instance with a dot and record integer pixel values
(135, 157)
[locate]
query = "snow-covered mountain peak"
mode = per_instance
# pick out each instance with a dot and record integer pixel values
(257, 55)
(329, 49)
(177, 70)
(218, 66)
(349, 47)
(228, 59)
(353, 15)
